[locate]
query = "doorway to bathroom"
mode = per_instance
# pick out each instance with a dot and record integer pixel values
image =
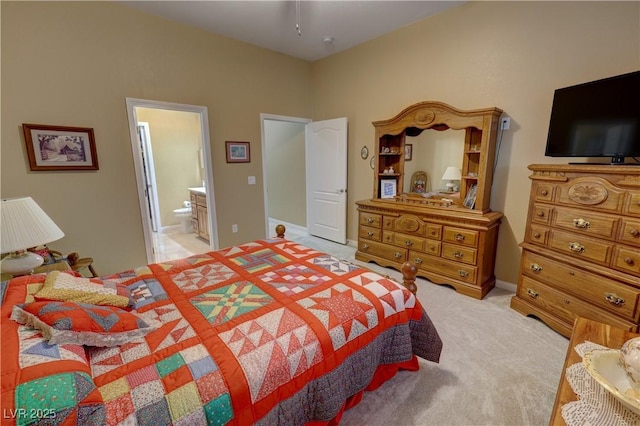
(171, 153)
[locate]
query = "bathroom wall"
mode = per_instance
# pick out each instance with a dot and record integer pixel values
(176, 143)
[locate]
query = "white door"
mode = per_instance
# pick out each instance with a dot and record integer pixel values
(149, 174)
(326, 165)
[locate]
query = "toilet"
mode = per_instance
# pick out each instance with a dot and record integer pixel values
(184, 216)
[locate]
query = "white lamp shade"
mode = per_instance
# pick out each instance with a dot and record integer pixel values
(452, 173)
(24, 225)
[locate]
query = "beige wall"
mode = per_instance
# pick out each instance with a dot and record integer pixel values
(506, 54)
(286, 171)
(176, 144)
(511, 55)
(74, 63)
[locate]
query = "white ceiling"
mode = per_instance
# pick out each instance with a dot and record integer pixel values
(272, 23)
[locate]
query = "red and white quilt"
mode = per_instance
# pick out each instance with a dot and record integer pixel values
(268, 332)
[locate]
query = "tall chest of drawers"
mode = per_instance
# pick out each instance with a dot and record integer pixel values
(450, 247)
(581, 251)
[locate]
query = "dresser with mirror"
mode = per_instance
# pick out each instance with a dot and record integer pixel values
(448, 231)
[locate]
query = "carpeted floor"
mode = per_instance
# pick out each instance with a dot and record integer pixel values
(497, 367)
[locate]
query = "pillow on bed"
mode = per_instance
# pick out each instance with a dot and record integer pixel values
(83, 324)
(64, 287)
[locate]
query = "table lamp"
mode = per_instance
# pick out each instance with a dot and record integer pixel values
(451, 174)
(24, 225)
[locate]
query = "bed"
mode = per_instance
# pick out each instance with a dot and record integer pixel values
(267, 332)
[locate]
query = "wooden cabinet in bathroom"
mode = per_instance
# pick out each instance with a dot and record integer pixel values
(199, 215)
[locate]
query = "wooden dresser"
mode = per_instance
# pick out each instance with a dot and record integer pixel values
(448, 246)
(450, 237)
(581, 252)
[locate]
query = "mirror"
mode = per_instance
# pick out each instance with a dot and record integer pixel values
(433, 152)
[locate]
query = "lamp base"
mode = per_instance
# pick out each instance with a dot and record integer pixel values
(20, 263)
(450, 186)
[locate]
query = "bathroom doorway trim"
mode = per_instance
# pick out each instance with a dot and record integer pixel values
(132, 104)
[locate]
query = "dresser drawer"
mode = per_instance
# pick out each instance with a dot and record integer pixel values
(465, 237)
(370, 233)
(387, 222)
(373, 248)
(586, 222)
(409, 224)
(541, 214)
(627, 260)
(459, 253)
(591, 192)
(434, 231)
(543, 191)
(633, 206)
(604, 292)
(370, 219)
(538, 234)
(432, 247)
(630, 232)
(581, 247)
(564, 306)
(445, 267)
(387, 237)
(408, 241)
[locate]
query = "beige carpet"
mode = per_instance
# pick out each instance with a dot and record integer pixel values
(497, 367)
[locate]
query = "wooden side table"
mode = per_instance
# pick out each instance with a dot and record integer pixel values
(583, 330)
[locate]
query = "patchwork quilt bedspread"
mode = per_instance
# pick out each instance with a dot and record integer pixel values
(268, 332)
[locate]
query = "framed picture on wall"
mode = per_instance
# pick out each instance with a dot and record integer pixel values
(60, 147)
(238, 152)
(408, 152)
(388, 188)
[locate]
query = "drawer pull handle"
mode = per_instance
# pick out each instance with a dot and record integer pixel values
(397, 255)
(629, 261)
(457, 255)
(535, 267)
(581, 223)
(369, 220)
(540, 213)
(532, 293)
(634, 233)
(536, 235)
(614, 299)
(459, 237)
(463, 274)
(365, 246)
(578, 248)
(408, 243)
(544, 192)
(369, 233)
(417, 261)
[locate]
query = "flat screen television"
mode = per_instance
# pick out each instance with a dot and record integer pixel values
(597, 119)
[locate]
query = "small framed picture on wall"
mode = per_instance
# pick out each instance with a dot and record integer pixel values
(238, 152)
(408, 152)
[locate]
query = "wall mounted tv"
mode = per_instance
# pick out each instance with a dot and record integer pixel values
(597, 119)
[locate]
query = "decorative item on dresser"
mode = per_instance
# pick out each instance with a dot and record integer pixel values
(450, 243)
(581, 252)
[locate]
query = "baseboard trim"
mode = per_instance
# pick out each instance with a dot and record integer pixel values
(506, 285)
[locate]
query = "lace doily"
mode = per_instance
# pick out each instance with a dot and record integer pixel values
(595, 405)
